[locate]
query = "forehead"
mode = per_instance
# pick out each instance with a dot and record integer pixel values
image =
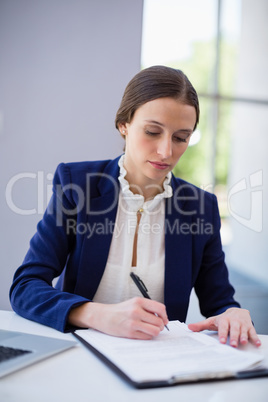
(166, 111)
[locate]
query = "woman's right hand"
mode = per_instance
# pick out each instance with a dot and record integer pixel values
(137, 318)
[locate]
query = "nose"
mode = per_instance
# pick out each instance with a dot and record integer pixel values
(164, 147)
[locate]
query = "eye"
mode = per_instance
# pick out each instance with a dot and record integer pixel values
(151, 133)
(179, 139)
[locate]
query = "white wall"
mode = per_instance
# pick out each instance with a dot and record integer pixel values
(63, 67)
(249, 165)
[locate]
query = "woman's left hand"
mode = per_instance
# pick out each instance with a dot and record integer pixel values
(235, 322)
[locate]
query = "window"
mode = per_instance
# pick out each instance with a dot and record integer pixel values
(220, 45)
(193, 36)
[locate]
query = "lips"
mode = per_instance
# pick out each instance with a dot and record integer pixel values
(159, 165)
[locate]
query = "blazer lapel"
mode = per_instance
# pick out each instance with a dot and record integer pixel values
(178, 252)
(101, 217)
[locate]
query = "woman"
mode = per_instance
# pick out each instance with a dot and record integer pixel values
(108, 218)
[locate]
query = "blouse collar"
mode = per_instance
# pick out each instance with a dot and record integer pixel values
(136, 201)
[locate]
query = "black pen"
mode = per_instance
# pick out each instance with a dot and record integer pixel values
(142, 288)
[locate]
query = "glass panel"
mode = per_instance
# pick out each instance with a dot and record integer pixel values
(223, 142)
(230, 31)
(195, 165)
(244, 49)
(181, 34)
(241, 154)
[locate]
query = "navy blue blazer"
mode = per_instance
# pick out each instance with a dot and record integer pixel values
(73, 239)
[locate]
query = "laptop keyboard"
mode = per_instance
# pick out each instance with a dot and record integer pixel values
(7, 353)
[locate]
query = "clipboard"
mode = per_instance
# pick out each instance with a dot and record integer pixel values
(173, 380)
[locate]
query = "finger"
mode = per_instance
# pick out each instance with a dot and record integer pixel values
(223, 330)
(253, 337)
(244, 335)
(144, 329)
(141, 336)
(155, 308)
(235, 331)
(209, 323)
(144, 319)
(152, 319)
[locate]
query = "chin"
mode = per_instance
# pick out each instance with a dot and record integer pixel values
(157, 176)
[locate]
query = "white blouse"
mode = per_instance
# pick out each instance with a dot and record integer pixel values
(116, 284)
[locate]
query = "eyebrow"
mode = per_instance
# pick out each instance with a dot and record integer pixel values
(183, 130)
(155, 122)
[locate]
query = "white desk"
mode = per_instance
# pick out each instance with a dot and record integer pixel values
(77, 374)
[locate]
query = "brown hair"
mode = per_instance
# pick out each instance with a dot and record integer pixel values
(153, 83)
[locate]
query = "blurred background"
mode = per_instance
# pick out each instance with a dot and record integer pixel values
(63, 67)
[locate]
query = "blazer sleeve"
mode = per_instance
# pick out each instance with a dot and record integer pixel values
(212, 286)
(32, 294)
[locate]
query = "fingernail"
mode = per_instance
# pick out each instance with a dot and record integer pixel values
(258, 343)
(222, 340)
(233, 343)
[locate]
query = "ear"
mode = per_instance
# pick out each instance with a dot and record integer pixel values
(123, 129)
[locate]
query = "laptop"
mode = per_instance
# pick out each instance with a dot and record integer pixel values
(18, 350)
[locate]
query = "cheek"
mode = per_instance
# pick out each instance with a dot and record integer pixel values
(139, 141)
(146, 143)
(180, 150)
